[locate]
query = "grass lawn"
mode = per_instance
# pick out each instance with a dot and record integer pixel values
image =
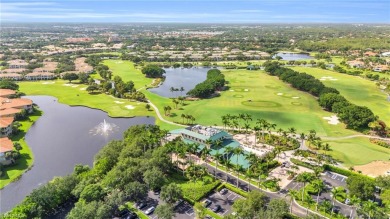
(127, 71)
(355, 89)
(262, 96)
(12, 173)
(357, 151)
(75, 95)
(194, 191)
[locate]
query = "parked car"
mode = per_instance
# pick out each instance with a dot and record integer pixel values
(123, 212)
(156, 192)
(216, 208)
(207, 203)
(141, 205)
(150, 210)
(177, 203)
(347, 201)
(223, 191)
(131, 215)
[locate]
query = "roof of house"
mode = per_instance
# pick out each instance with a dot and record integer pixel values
(11, 75)
(17, 62)
(5, 122)
(6, 145)
(13, 70)
(14, 103)
(6, 92)
(39, 74)
(9, 112)
(217, 134)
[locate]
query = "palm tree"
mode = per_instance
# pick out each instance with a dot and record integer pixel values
(172, 89)
(237, 151)
(183, 116)
(209, 143)
(205, 152)
(369, 207)
(309, 201)
(176, 102)
(256, 129)
(355, 203)
(165, 110)
(292, 193)
(336, 191)
(260, 123)
(292, 131)
(318, 185)
(304, 178)
(169, 109)
(218, 143)
(246, 126)
(302, 136)
(218, 156)
(181, 90)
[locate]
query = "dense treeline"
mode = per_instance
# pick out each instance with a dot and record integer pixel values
(153, 71)
(355, 117)
(123, 171)
(215, 81)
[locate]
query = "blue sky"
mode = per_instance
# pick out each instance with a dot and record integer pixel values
(197, 11)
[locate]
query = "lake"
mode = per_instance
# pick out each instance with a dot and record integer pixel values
(61, 138)
(187, 78)
(293, 56)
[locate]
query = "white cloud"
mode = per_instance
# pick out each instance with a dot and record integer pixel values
(248, 11)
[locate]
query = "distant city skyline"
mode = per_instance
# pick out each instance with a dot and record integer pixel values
(197, 11)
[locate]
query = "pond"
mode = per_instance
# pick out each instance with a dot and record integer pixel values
(293, 56)
(61, 138)
(187, 78)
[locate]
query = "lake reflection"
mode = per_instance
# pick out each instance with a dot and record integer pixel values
(59, 140)
(187, 78)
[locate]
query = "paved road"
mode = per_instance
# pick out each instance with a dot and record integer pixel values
(297, 210)
(161, 118)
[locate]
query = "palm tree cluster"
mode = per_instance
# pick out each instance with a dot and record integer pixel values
(189, 119)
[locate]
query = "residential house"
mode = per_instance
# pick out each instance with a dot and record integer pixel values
(355, 64)
(6, 126)
(17, 103)
(6, 146)
(39, 76)
(17, 63)
(380, 68)
(6, 92)
(10, 112)
(11, 76)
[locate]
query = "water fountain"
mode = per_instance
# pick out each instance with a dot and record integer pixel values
(104, 128)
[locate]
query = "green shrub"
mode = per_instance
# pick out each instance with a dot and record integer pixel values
(301, 163)
(235, 189)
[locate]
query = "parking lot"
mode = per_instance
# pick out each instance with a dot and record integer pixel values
(183, 211)
(224, 200)
(335, 179)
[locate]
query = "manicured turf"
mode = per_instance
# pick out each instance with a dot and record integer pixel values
(75, 96)
(26, 160)
(356, 89)
(357, 151)
(127, 71)
(262, 96)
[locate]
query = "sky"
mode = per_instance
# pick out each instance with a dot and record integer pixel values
(197, 11)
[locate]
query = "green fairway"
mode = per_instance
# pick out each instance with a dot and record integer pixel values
(355, 89)
(262, 96)
(12, 173)
(127, 71)
(357, 151)
(75, 95)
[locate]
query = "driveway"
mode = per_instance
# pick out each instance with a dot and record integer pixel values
(183, 211)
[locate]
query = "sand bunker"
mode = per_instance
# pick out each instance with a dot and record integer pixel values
(84, 88)
(246, 90)
(333, 120)
(119, 62)
(52, 82)
(68, 85)
(328, 78)
(129, 107)
(118, 102)
(75, 86)
(375, 168)
(231, 90)
(295, 97)
(279, 94)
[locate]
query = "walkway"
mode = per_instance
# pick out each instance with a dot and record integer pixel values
(161, 118)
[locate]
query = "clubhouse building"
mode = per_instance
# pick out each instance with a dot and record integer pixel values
(208, 137)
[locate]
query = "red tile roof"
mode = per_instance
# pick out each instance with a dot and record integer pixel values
(6, 103)
(6, 92)
(6, 121)
(6, 145)
(9, 112)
